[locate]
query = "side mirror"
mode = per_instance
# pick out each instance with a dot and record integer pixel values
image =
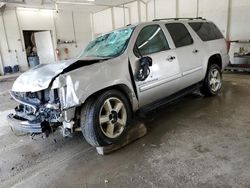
(146, 61)
(144, 71)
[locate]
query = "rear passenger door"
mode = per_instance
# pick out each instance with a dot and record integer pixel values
(189, 54)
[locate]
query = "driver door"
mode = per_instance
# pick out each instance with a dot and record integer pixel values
(164, 73)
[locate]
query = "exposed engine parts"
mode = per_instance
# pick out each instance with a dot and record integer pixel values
(42, 108)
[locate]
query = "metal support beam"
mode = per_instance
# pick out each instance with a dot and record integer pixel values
(197, 8)
(139, 11)
(5, 33)
(74, 29)
(113, 18)
(229, 18)
(177, 8)
(154, 9)
(124, 16)
(92, 25)
(2, 64)
(54, 33)
(20, 31)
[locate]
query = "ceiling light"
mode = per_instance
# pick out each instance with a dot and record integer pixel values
(28, 9)
(87, 2)
(34, 9)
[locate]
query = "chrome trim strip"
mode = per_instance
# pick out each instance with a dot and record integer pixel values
(160, 82)
(191, 71)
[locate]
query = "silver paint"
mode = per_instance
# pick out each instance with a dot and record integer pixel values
(166, 77)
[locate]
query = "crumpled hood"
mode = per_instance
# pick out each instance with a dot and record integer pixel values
(40, 77)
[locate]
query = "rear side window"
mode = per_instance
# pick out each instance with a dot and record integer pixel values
(179, 34)
(206, 30)
(151, 39)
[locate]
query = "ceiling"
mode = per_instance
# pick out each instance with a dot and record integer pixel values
(81, 5)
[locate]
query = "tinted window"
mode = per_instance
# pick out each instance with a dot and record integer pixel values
(179, 34)
(206, 30)
(151, 39)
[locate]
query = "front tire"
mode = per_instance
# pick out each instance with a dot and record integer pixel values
(105, 118)
(213, 81)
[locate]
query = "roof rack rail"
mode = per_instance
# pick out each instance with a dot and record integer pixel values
(197, 18)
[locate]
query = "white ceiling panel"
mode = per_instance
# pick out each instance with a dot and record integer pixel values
(81, 5)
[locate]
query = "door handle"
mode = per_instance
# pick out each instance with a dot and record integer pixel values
(170, 58)
(195, 51)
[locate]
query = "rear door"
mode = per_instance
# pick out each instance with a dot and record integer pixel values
(165, 70)
(189, 52)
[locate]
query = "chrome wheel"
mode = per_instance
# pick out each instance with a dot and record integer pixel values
(215, 80)
(112, 117)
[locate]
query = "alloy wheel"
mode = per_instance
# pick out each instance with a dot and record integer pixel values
(112, 117)
(215, 80)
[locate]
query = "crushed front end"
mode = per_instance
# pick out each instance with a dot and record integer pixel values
(37, 112)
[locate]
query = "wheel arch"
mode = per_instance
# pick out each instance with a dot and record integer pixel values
(215, 59)
(124, 89)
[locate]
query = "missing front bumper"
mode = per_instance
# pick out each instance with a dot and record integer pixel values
(24, 125)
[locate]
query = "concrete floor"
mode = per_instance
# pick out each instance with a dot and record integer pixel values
(195, 142)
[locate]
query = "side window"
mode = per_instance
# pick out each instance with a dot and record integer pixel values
(151, 39)
(206, 30)
(179, 34)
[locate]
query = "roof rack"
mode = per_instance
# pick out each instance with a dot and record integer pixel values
(197, 18)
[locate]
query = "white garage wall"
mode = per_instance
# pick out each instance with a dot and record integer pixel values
(218, 14)
(65, 31)
(103, 21)
(42, 20)
(187, 8)
(134, 12)
(240, 20)
(231, 16)
(121, 17)
(15, 55)
(150, 10)
(143, 11)
(165, 8)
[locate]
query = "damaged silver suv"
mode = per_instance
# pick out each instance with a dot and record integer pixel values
(118, 73)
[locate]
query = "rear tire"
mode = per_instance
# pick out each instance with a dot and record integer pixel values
(213, 81)
(105, 118)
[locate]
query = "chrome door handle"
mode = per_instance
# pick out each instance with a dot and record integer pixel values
(195, 51)
(170, 58)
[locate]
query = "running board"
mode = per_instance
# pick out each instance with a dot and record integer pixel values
(171, 98)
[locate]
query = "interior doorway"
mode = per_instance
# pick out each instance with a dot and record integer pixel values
(39, 47)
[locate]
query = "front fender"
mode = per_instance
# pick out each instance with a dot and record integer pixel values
(78, 85)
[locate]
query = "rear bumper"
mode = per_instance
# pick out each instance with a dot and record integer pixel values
(24, 125)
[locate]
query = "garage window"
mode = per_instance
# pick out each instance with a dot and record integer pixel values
(207, 31)
(179, 34)
(151, 39)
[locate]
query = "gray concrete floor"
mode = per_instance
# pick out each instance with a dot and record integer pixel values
(195, 142)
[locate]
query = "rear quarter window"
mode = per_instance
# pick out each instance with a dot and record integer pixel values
(207, 31)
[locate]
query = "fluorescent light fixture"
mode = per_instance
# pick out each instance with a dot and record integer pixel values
(88, 2)
(35, 9)
(28, 9)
